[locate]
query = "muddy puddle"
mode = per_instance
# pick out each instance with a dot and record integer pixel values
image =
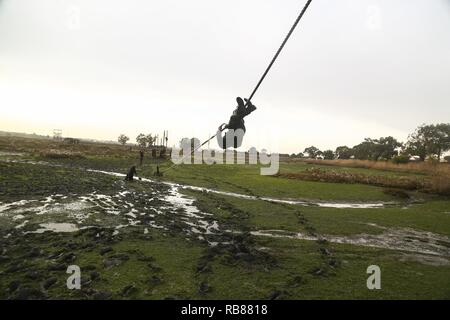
(160, 207)
(56, 227)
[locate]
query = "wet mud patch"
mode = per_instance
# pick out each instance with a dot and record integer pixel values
(31, 181)
(248, 194)
(145, 206)
(33, 265)
(161, 205)
(400, 239)
(125, 233)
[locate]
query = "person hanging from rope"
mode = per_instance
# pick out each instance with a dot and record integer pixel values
(236, 125)
(237, 120)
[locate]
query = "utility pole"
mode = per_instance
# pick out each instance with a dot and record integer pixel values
(167, 138)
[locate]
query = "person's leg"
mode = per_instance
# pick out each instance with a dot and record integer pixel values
(233, 138)
(238, 139)
(221, 140)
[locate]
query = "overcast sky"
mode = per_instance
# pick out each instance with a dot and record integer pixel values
(98, 68)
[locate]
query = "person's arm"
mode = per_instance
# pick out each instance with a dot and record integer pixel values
(222, 127)
(250, 107)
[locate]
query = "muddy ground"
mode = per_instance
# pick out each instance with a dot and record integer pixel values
(156, 239)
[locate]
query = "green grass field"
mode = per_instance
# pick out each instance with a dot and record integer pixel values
(149, 240)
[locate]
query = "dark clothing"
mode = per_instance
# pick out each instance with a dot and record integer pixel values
(236, 122)
(237, 119)
(158, 173)
(130, 174)
(141, 157)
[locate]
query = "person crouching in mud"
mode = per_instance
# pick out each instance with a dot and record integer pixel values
(130, 174)
(236, 125)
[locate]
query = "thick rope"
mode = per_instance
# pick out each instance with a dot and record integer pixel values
(280, 49)
(260, 80)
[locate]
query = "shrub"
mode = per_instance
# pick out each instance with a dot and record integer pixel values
(316, 174)
(435, 177)
(440, 184)
(400, 159)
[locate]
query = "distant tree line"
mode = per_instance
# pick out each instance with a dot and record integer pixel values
(427, 141)
(146, 140)
(142, 140)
